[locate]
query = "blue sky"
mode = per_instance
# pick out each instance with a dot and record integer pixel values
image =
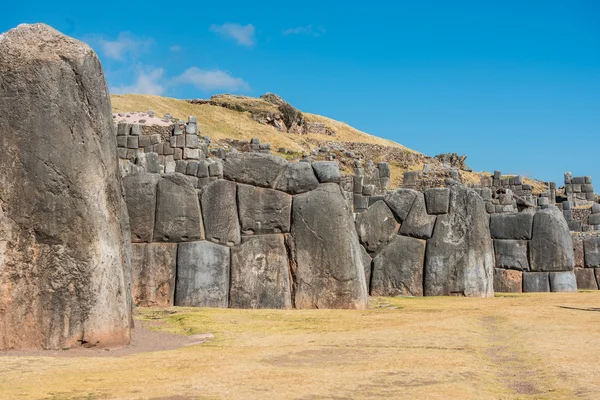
(515, 85)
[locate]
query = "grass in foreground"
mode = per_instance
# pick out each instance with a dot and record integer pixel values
(542, 346)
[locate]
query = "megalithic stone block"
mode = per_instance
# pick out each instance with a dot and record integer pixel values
(398, 268)
(219, 210)
(260, 277)
(536, 282)
(153, 274)
(64, 274)
(140, 196)
(508, 281)
(178, 217)
(202, 275)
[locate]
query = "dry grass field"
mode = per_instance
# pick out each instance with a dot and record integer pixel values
(221, 123)
(529, 346)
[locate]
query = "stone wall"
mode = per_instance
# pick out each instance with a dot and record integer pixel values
(260, 233)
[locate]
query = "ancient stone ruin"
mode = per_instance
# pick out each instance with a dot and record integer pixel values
(64, 235)
(96, 214)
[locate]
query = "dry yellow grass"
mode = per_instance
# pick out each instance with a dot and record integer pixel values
(221, 123)
(530, 346)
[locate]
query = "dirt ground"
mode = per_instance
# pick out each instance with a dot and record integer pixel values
(530, 346)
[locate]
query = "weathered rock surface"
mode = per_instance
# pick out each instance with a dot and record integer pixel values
(327, 171)
(328, 265)
(564, 281)
(257, 169)
(260, 277)
(263, 210)
(140, 196)
(507, 281)
(586, 279)
(219, 212)
(511, 254)
(401, 201)
(376, 226)
(178, 217)
(367, 264)
(398, 268)
(62, 253)
(296, 178)
(460, 255)
(536, 282)
(518, 226)
(202, 275)
(578, 252)
(418, 223)
(437, 200)
(153, 274)
(551, 248)
(591, 247)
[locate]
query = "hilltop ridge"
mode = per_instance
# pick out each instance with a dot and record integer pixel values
(226, 118)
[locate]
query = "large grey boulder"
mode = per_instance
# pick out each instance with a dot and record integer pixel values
(260, 277)
(263, 210)
(517, 226)
(327, 171)
(140, 196)
(586, 279)
(62, 248)
(219, 212)
(536, 282)
(591, 248)
(437, 200)
(256, 169)
(551, 246)
(418, 223)
(564, 281)
(401, 201)
(460, 255)
(153, 274)
(508, 281)
(398, 268)
(202, 275)
(511, 254)
(328, 265)
(178, 217)
(296, 178)
(376, 226)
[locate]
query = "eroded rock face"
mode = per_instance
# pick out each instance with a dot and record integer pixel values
(63, 258)
(260, 277)
(508, 281)
(153, 274)
(460, 255)
(511, 254)
(329, 267)
(398, 268)
(401, 201)
(219, 212)
(140, 195)
(253, 168)
(178, 217)
(376, 226)
(202, 275)
(418, 223)
(586, 279)
(296, 178)
(551, 247)
(263, 210)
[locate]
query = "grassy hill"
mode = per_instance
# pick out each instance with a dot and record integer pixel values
(222, 123)
(227, 119)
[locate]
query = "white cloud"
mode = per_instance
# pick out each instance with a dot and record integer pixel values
(125, 45)
(147, 82)
(305, 30)
(242, 34)
(210, 80)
